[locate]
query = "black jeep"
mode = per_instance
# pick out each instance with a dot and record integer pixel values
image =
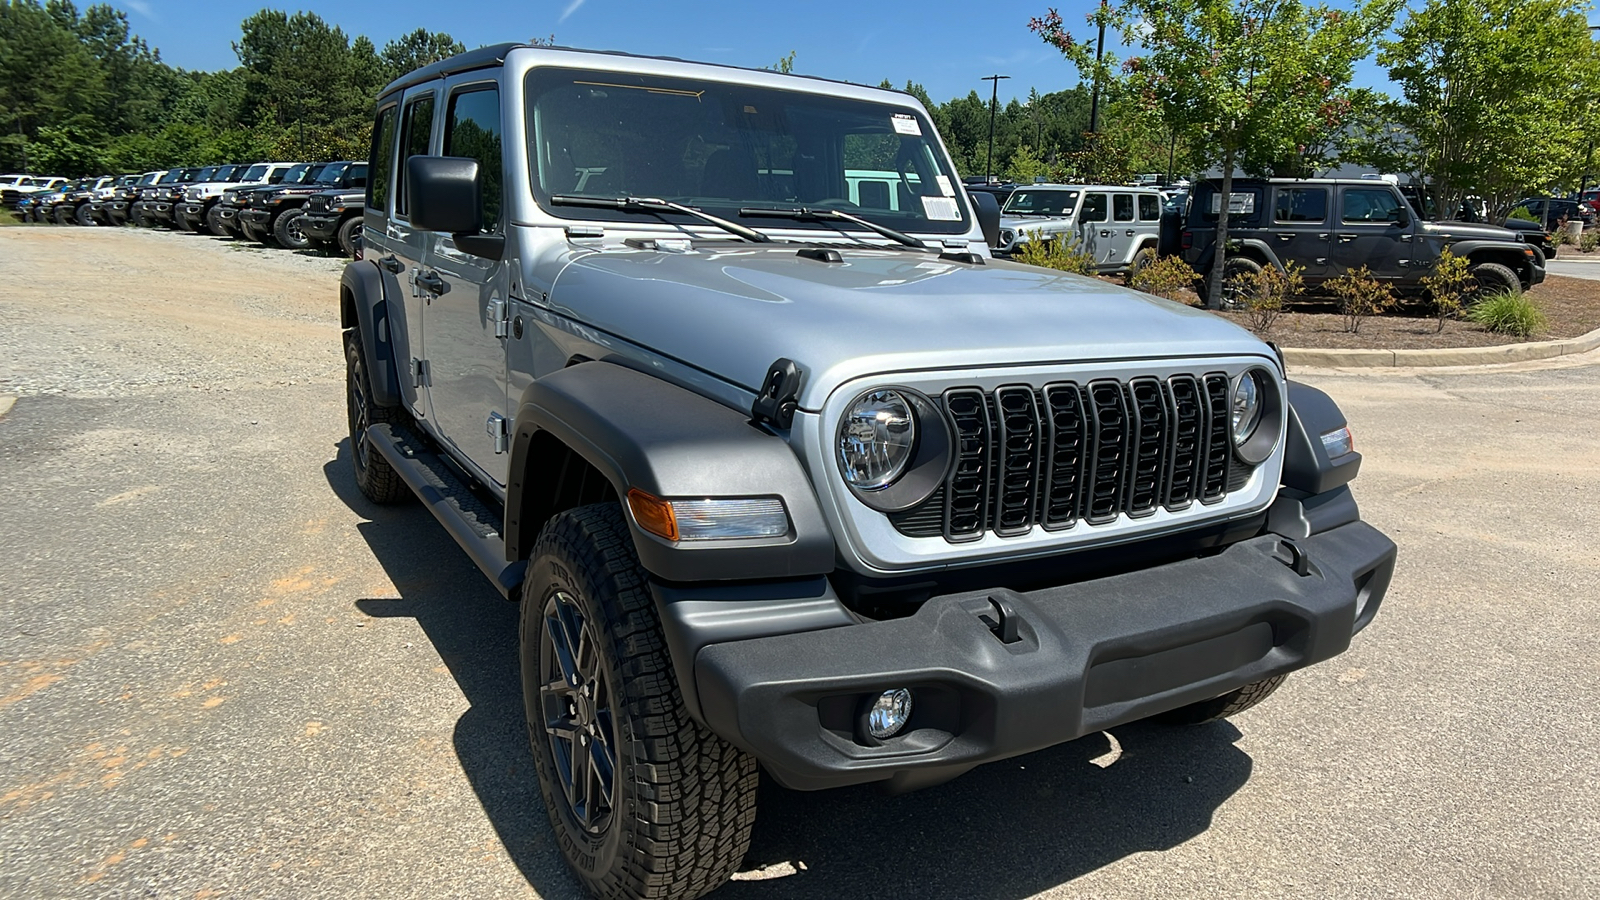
(332, 218)
(1329, 227)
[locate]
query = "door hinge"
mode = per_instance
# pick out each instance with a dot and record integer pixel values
(499, 428)
(419, 372)
(500, 315)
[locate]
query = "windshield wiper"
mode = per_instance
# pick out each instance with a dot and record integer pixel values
(806, 214)
(651, 204)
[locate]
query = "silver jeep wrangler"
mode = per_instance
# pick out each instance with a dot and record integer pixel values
(710, 369)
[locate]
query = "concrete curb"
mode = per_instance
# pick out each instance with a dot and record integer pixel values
(1445, 356)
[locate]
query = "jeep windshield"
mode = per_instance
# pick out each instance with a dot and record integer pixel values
(331, 173)
(303, 173)
(1041, 203)
(723, 148)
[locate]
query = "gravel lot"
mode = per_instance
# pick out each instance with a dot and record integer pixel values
(223, 674)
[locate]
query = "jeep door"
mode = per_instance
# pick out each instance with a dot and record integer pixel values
(465, 318)
(1300, 232)
(1094, 224)
(394, 245)
(1368, 233)
(1116, 248)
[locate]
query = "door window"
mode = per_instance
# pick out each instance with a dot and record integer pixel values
(1369, 205)
(473, 131)
(1149, 208)
(1094, 208)
(414, 140)
(1122, 207)
(1300, 204)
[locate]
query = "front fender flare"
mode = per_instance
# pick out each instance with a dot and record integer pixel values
(640, 431)
(364, 284)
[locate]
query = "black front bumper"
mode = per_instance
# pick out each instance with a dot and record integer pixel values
(160, 210)
(258, 219)
(321, 226)
(1086, 657)
(193, 214)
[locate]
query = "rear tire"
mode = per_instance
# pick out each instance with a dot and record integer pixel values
(1493, 278)
(286, 229)
(1141, 260)
(378, 480)
(1230, 704)
(1232, 294)
(346, 236)
(663, 807)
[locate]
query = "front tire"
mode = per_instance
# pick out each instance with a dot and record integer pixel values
(288, 232)
(214, 222)
(644, 801)
(1230, 704)
(1493, 278)
(378, 480)
(63, 215)
(347, 236)
(84, 216)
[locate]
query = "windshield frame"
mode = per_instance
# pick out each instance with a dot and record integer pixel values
(1070, 210)
(925, 160)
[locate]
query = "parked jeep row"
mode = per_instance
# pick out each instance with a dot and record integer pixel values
(266, 202)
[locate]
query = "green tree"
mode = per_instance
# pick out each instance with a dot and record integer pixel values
(415, 50)
(1246, 83)
(1501, 96)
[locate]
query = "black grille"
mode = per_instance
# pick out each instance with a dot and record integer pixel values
(317, 204)
(1068, 453)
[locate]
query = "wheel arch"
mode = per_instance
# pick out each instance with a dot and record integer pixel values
(635, 430)
(363, 307)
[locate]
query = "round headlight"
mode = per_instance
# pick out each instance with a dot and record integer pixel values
(876, 439)
(1247, 391)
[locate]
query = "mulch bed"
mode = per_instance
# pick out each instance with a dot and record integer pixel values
(1571, 306)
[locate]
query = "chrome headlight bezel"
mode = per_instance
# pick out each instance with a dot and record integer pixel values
(925, 464)
(1255, 407)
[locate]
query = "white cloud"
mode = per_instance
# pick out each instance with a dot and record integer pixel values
(141, 7)
(571, 8)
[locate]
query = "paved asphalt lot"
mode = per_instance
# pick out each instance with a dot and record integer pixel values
(224, 674)
(1573, 265)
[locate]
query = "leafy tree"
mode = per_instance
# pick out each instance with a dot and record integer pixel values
(415, 50)
(1246, 83)
(1500, 96)
(1025, 165)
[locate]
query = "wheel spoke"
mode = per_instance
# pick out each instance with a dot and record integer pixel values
(561, 643)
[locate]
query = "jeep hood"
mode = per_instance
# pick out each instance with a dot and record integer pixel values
(732, 312)
(1469, 231)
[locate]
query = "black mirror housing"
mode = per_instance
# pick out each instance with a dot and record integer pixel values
(987, 209)
(445, 194)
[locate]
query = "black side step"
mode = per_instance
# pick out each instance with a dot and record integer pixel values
(474, 525)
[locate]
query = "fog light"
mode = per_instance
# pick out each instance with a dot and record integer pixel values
(889, 714)
(1338, 442)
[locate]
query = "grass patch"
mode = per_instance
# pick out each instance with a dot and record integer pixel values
(1509, 313)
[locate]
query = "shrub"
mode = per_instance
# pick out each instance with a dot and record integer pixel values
(1360, 295)
(1166, 277)
(1267, 293)
(1448, 285)
(1508, 313)
(1589, 241)
(1521, 212)
(1062, 252)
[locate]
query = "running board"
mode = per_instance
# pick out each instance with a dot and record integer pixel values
(473, 523)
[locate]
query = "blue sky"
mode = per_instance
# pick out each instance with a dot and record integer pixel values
(947, 47)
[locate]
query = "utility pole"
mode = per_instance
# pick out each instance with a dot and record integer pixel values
(994, 104)
(1094, 91)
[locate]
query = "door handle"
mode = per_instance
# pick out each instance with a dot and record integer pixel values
(394, 265)
(1129, 232)
(1105, 234)
(431, 282)
(1285, 237)
(1345, 238)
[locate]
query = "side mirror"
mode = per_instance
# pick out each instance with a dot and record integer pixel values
(987, 209)
(445, 193)
(1400, 217)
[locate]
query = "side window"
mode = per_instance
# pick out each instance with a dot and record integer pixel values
(1298, 204)
(473, 130)
(1122, 207)
(357, 176)
(416, 133)
(1369, 205)
(1149, 208)
(1094, 208)
(382, 159)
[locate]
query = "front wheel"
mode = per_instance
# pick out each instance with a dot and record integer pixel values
(63, 215)
(214, 222)
(1493, 278)
(644, 801)
(84, 216)
(349, 233)
(1230, 704)
(290, 231)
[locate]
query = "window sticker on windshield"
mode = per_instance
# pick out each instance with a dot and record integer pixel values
(941, 209)
(904, 124)
(1238, 203)
(944, 185)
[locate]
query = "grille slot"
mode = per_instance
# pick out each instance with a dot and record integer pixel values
(1072, 455)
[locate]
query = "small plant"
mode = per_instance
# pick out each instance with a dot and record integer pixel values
(1510, 313)
(1448, 285)
(1062, 252)
(1166, 276)
(1589, 241)
(1360, 295)
(1522, 212)
(1267, 294)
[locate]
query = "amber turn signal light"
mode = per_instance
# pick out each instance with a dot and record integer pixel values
(653, 514)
